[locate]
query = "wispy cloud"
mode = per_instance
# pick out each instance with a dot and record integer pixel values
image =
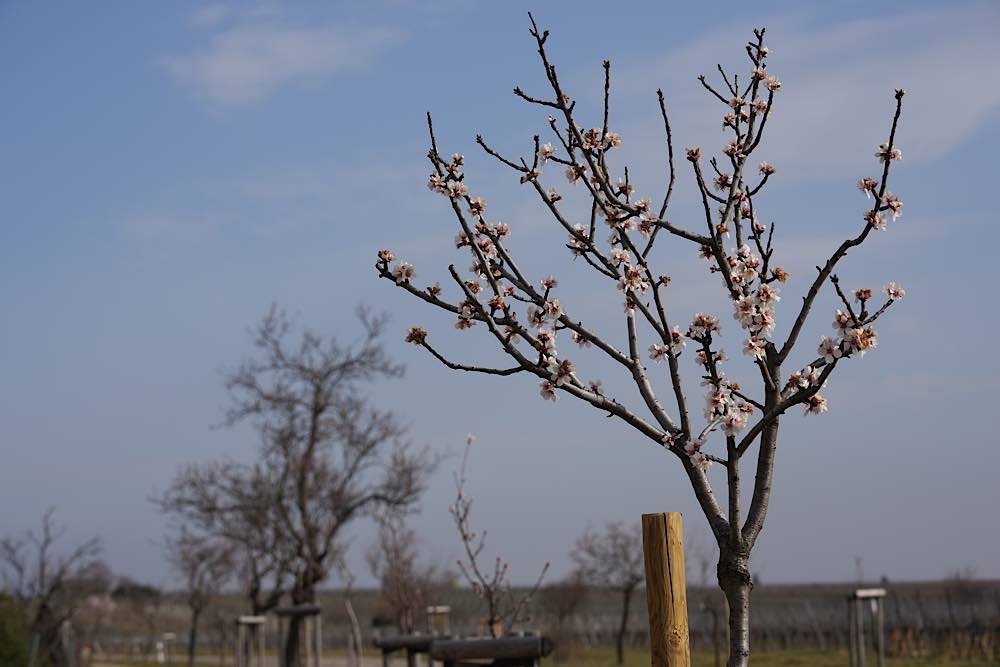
(838, 80)
(210, 15)
(247, 63)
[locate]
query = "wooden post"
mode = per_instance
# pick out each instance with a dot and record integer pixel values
(666, 591)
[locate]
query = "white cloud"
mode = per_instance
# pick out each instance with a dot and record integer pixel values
(248, 63)
(836, 101)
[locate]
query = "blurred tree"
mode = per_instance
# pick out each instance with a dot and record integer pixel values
(405, 584)
(47, 587)
(614, 559)
(561, 600)
(327, 457)
(205, 565)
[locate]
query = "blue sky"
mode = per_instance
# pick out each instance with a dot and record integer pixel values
(172, 169)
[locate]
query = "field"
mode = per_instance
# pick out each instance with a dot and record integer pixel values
(942, 623)
(604, 657)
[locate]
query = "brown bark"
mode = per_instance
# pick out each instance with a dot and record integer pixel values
(193, 635)
(623, 626)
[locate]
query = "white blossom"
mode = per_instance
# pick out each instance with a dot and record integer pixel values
(548, 390)
(894, 291)
(755, 347)
(403, 272)
(829, 349)
(545, 151)
(815, 405)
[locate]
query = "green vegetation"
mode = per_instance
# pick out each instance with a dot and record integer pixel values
(14, 646)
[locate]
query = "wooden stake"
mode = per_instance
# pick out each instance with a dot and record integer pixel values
(666, 591)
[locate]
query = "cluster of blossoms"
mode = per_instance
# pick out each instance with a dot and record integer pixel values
(633, 279)
(755, 313)
(402, 272)
(722, 407)
(888, 201)
(805, 379)
(658, 351)
(853, 337)
(592, 139)
(692, 447)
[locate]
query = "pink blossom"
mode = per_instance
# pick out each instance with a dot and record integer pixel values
(867, 185)
(531, 175)
(755, 346)
(436, 183)
(876, 220)
(415, 335)
(545, 151)
(734, 423)
(884, 154)
(894, 291)
(894, 204)
(562, 371)
(476, 207)
(815, 405)
(842, 322)
(403, 272)
(829, 349)
(702, 325)
(658, 352)
(548, 390)
(861, 339)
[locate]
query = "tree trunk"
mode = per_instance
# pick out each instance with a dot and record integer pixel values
(193, 635)
(293, 641)
(735, 581)
(620, 639)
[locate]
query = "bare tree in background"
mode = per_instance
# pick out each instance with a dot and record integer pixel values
(355, 642)
(522, 317)
(561, 600)
(405, 584)
(504, 609)
(144, 601)
(239, 503)
(48, 586)
(327, 456)
(613, 558)
(205, 565)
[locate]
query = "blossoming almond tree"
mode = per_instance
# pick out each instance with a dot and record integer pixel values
(524, 318)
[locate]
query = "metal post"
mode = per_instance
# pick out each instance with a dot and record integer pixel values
(852, 642)
(879, 631)
(859, 617)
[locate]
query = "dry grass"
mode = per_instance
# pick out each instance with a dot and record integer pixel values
(605, 657)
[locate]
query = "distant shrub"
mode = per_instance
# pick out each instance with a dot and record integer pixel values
(13, 635)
